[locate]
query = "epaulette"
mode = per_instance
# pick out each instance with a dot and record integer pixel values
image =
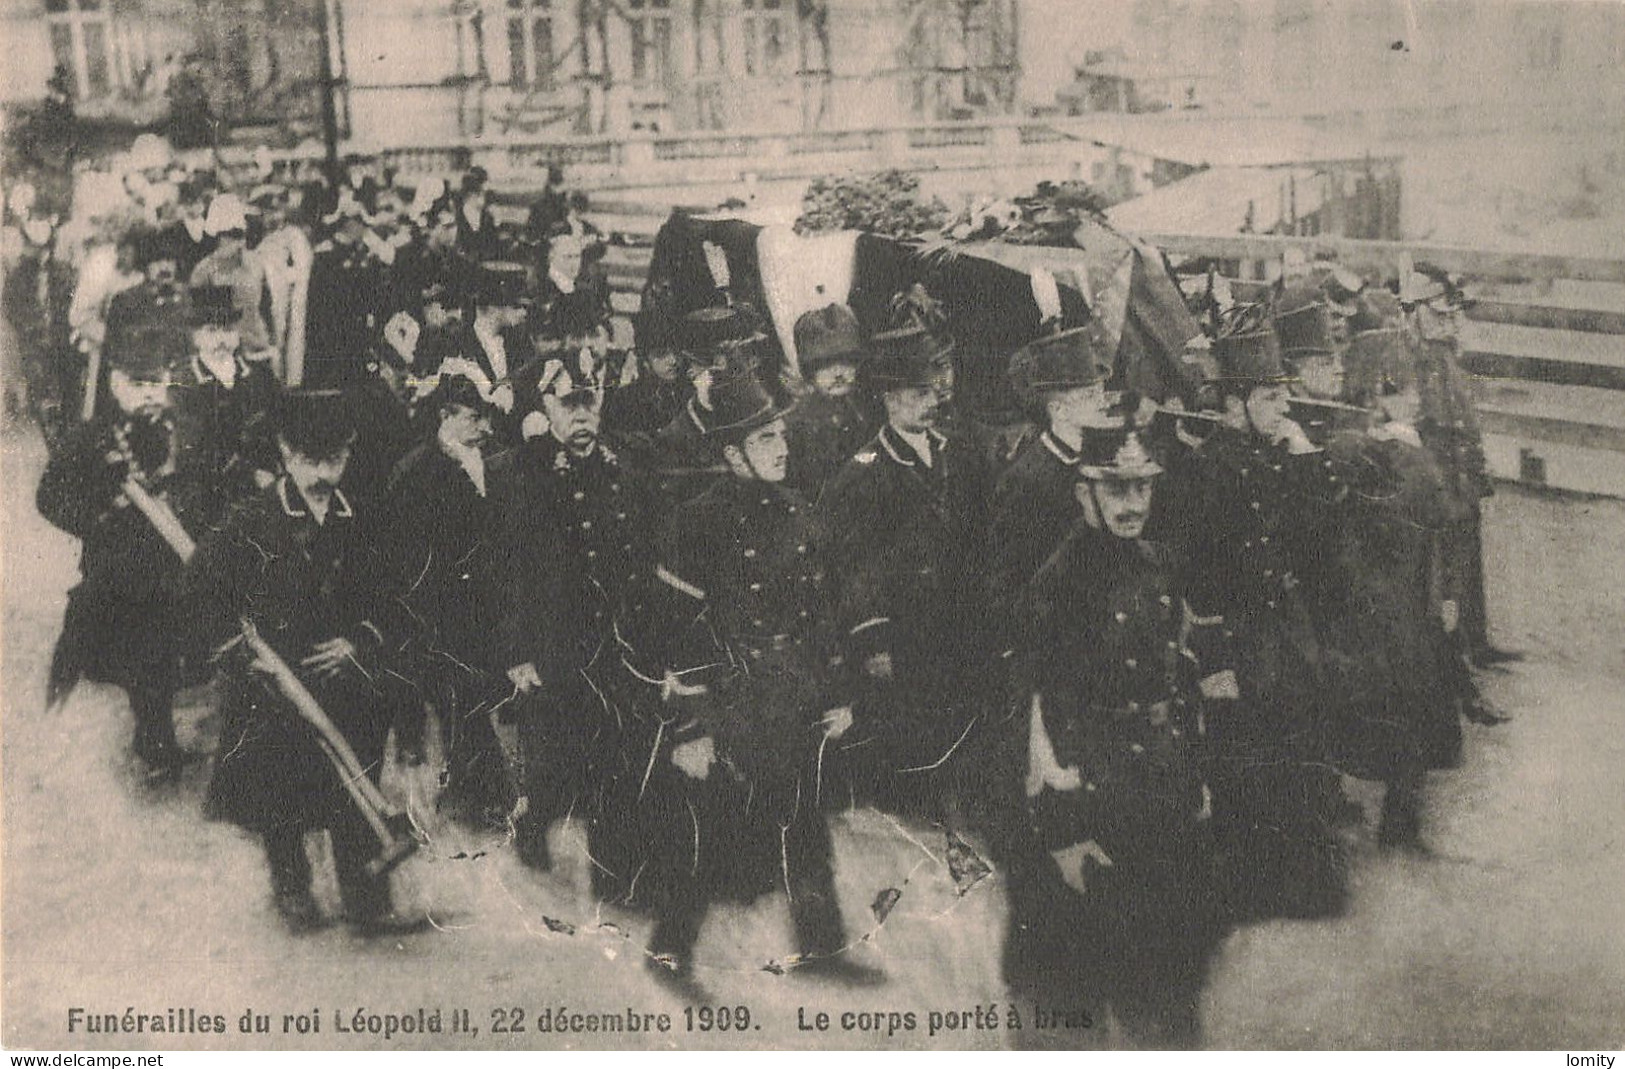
(868, 456)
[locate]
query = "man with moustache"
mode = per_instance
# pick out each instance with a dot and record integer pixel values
(440, 519)
(750, 698)
(908, 518)
(1124, 917)
(297, 563)
(576, 542)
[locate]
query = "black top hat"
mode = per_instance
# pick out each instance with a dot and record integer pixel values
(911, 356)
(719, 328)
(1063, 360)
(211, 306)
(1115, 453)
(740, 403)
(155, 246)
(502, 283)
(315, 423)
(828, 335)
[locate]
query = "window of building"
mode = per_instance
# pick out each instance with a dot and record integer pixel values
(651, 24)
(530, 44)
(81, 42)
(767, 37)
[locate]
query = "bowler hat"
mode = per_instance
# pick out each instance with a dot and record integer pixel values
(315, 423)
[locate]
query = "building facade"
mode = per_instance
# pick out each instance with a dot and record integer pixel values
(1311, 58)
(446, 71)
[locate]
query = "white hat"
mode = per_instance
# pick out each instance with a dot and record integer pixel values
(427, 192)
(226, 213)
(149, 153)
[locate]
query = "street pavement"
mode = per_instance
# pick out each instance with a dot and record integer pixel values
(1510, 932)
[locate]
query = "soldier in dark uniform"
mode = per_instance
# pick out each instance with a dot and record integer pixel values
(123, 616)
(1434, 304)
(750, 683)
(345, 303)
(658, 394)
(1399, 683)
(908, 516)
(151, 315)
(576, 537)
(297, 564)
(1247, 510)
(831, 422)
(1111, 700)
(439, 530)
(720, 342)
(1061, 381)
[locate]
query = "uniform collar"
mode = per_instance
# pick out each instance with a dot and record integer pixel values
(293, 504)
(900, 451)
(1063, 452)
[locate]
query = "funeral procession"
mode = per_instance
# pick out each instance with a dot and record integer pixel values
(891, 525)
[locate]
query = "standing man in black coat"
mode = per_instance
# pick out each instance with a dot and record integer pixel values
(908, 519)
(576, 537)
(831, 422)
(1126, 917)
(1061, 380)
(440, 530)
(124, 615)
(296, 563)
(640, 408)
(1434, 305)
(752, 694)
(345, 306)
(1247, 510)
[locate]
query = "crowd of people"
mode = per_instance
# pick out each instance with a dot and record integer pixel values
(374, 460)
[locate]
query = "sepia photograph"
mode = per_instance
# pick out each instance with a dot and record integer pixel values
(872, 525)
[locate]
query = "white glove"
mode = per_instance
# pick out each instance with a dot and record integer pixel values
(1221, 685)
(1043, 769)
(695, 757)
